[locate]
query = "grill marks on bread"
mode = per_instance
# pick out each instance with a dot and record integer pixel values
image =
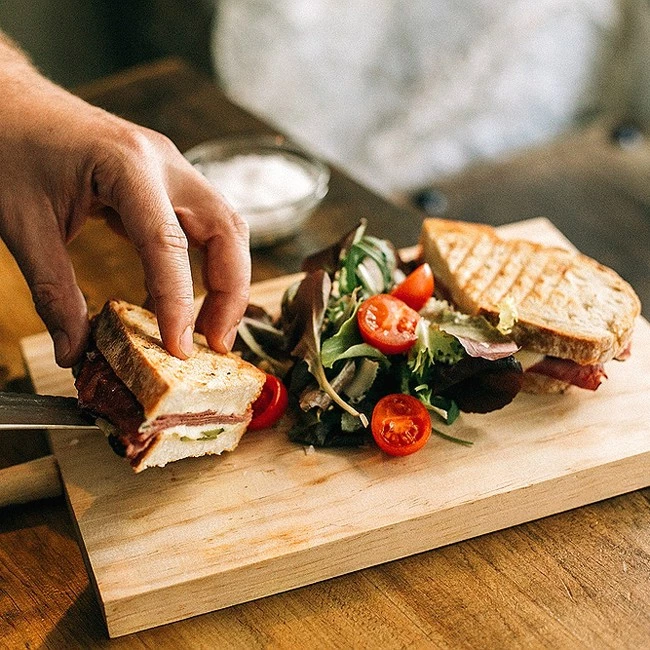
(569, 305)
(128, 337)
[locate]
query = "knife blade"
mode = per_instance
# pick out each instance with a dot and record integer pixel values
(27, 411)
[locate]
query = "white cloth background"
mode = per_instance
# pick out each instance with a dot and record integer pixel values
(400, 93)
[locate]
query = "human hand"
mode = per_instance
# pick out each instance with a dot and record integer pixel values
(62, 161)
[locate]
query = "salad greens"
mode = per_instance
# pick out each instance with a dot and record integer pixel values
(458, 362)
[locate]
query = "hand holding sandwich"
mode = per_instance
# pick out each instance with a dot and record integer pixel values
(63, 160)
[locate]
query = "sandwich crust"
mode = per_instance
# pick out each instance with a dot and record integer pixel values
(568, 305)
(129, 339)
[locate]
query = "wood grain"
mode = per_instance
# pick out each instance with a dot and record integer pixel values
(209, 533)
(36, 479)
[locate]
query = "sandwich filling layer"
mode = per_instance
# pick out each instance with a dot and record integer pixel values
(566, 371)
(588, 376)
(104, 394)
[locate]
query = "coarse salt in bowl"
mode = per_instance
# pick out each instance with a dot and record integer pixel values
(270, 182)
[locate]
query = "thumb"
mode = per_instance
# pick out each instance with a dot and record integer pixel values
(61, 305)
(44, 261)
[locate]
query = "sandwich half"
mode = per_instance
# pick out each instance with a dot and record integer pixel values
(572, 313)
(154, 407)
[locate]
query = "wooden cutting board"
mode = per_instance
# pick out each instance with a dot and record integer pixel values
(207, 533)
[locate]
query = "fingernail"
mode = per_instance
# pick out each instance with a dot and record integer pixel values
(61, 345)
(229, 339)
(187, 341)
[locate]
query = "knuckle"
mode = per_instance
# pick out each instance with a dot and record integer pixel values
(173, 295)
(164, 143)
(168, 236)
(173, 298)
(47, 295)
(117, 164)
(134, 143)
(240, 226)
(231, 225)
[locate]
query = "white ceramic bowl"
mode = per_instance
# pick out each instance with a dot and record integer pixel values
(269, 181)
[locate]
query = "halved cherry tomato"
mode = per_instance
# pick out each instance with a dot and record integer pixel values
(387, 323)
(400, 424)
(417, 288)
(269, 407)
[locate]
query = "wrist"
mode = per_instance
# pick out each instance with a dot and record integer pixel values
(25, 90)
(15, 67)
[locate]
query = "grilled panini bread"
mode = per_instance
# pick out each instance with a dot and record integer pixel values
(157, 408)
(569, 306)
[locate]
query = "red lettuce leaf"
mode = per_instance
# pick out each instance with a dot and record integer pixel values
(490, 350)
(479, 385)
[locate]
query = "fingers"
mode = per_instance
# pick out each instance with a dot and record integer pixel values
(227, 280)
(44, 261)
(160, 209)
(223, 235)
(149, 220)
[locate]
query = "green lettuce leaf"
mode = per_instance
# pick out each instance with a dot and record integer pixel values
(353, 274)
(432, 346)
(307, 312)
(348, 344)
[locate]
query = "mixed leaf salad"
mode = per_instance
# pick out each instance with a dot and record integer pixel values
(367, 351)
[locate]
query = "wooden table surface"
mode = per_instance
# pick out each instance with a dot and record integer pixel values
(578, 579)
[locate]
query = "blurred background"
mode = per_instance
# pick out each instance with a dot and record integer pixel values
(399, 99)
(486, 110)
(433, 88)
(76, 41)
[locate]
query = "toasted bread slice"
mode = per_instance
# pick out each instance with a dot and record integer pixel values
(129, 339)
(170, 448)
(568, 305)
(170, 445)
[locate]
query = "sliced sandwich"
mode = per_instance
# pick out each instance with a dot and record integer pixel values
(154, 407)
(572, 313)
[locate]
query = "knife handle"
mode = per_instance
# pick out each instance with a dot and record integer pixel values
(31, 481)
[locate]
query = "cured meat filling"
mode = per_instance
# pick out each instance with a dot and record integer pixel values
(104, 394)
(588, 377)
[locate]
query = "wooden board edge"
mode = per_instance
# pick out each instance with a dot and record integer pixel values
(460, 523)
(81, 543)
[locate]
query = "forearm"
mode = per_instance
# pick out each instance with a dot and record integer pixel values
(26, 92)
(15, 66)
(34, 109)
(9, 51)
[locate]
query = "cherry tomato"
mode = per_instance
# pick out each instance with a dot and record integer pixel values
(387, 323)
(416, 288)
(269, 407)
(400, 424)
